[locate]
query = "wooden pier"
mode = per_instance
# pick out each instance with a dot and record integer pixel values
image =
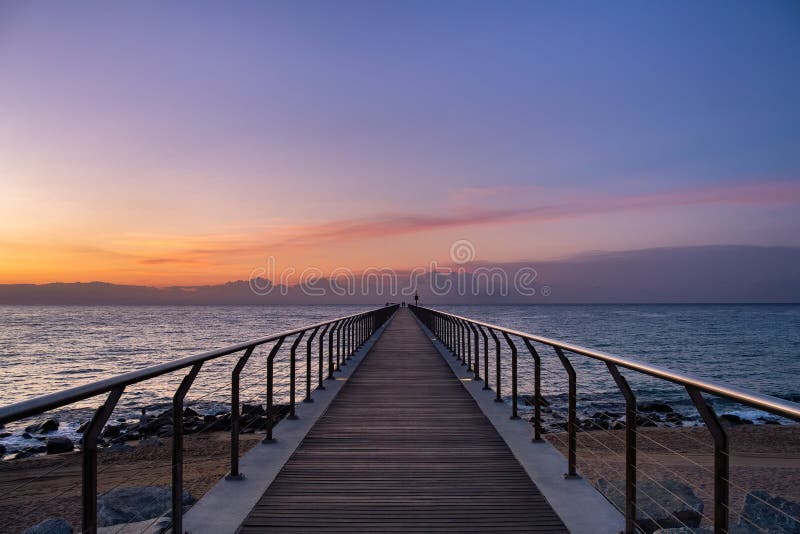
(403, 448)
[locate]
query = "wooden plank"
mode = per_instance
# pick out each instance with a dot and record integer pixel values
(402, 448)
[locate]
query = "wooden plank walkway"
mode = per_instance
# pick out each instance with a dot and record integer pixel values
(403, 448)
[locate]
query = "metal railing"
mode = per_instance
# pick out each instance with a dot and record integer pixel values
(350, 332)
(463, 337)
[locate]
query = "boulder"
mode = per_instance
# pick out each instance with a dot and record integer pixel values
(112, 431)
(527, 400)
(651, 406)
(188, 412)
(734, 419)
(4, 434)
(54, 525)
(2, 449)
(59, 444)
(769, 512)
(253, 409)
(132, 504)
(48, 425)
(662, 505)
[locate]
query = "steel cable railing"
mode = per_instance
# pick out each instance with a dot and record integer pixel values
(463, 337)
(350, 333)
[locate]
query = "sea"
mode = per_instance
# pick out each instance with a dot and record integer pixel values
(44, 349)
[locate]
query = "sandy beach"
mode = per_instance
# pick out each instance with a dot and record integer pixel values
(34, 489)
(762, 457)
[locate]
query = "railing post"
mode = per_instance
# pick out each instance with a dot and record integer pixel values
(485, 358)
(339, 334)
(513, 376)
(477, 357)
(270, 374)
(461, 351)
(498, 396)
(89, 461)
(235, 374)
(330, 351)
(468, 342)
(309, 346)
(293, 375)
(537, 391)
(321, 366)
(572, 421)
(630, 448)
(177, 447)
(721, 459)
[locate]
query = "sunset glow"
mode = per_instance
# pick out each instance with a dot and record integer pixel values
(376, 134)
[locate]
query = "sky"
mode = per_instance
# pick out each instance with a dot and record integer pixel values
(185, 143)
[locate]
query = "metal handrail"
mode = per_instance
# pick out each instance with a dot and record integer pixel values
(768, 403)
(452, 329)
(44, 403)
(357, 328)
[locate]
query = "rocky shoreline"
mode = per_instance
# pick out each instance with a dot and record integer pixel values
(113, 437)
(650, 414)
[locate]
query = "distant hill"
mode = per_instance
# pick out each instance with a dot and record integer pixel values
(746, 274)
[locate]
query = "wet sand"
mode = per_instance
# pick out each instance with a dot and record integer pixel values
(34, 489)
(763, 457)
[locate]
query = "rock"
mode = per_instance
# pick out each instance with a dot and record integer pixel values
(4, 434)
(54, 525)
(59, 444)
(166, 431)
(769, 512)
(734, 419)
(132, 504)
(48, 425)
(647, 421)
(662, 505)
(764, 420)
(253, 409)
(26, 435)
(118, 447)
(2, 449)
(112, 431)
(188, 412)
(527, 400)
(650, 406)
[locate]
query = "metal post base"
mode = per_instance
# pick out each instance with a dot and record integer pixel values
(485, 387)
(321, 386)
(267, 441)
(514, 417)
(292, 417)
(498, 400)
(308, 399)
(567, 476)
(240, 476)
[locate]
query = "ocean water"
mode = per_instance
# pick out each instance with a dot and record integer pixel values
(756, 347)
(48, 348)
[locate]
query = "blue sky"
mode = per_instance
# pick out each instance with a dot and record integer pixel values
(143, 131)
